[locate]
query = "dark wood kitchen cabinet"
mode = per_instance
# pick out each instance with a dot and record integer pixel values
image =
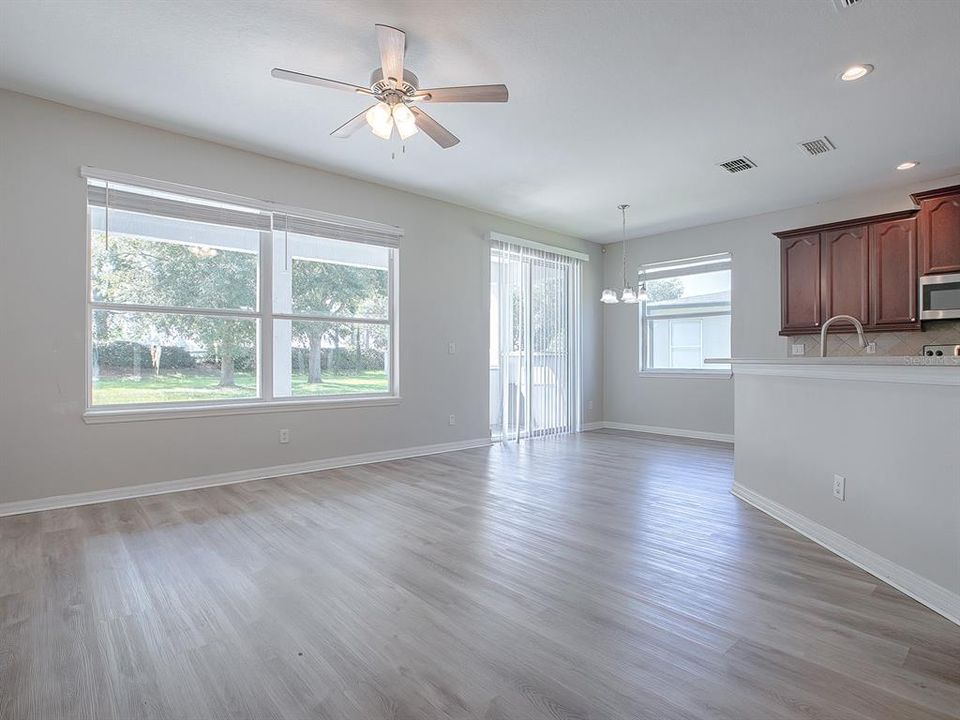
(893, 274)
(800, 283)
(938, 230)
(845, 273)
(866, 268)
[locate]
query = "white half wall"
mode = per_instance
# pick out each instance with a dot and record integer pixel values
(706, 404)
(895, 442)
(45, 447)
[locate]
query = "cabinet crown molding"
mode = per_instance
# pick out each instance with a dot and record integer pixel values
(868, 220)
(935, 193)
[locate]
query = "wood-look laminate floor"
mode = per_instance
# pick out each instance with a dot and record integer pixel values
(605, 575)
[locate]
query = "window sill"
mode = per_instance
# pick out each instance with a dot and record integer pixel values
(135, 414)
(699, 374)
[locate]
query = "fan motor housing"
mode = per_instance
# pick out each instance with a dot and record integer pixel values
(408, 86)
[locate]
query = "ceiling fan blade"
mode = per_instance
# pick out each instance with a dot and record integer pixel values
(436, 132)
(393, 43)
(468, 93)
(314, 80)
(351, 125)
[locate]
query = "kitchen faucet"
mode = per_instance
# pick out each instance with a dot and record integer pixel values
(823, 332)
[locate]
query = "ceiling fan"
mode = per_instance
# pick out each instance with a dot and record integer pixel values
(396, 91)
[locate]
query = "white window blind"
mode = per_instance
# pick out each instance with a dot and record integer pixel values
(356, 231)
(141, 200)
(188, 202)
(690, 266)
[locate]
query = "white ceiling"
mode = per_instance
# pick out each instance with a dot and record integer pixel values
(610, 101)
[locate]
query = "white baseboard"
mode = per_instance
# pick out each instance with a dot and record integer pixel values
(229, 478)
(674, 432)
(587, 427)
(924, 591)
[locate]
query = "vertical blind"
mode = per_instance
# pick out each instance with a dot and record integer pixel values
(535, 341)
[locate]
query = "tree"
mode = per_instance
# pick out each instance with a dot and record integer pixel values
(336, 290)
(546, 323)
(137, 270)
(666, 289)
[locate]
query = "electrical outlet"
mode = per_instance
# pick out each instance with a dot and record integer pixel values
(452, 348)
(839, 487)
(452, 420)
(798, 349)
(871, 348)
(284, 436)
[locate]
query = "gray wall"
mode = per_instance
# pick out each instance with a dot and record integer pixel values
(45, 447)
(706, 404)
(896, 445)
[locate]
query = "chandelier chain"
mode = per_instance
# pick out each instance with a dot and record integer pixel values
(623, 240)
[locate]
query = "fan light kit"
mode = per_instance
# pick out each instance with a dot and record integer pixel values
(628, 295)
(396, 91)
(855, 72)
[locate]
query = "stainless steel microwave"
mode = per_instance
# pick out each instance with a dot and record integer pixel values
(940, 297)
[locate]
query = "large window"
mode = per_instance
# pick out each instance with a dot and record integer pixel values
(686, 318)
(196, 300)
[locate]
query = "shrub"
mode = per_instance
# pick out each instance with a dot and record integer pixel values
(122, 355)
(244, 359)
(339, 360)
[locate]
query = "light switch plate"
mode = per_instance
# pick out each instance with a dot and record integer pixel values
(798, 349)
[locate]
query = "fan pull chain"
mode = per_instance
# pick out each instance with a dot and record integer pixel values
(106, 217)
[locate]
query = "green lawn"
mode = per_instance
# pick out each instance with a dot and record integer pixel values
(184, 386)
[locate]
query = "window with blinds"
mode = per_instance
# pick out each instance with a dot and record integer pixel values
(198, 298)
(686, 318)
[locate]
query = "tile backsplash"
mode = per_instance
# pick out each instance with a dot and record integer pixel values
(938, 332)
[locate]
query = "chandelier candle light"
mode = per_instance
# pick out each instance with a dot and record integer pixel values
(628, 295)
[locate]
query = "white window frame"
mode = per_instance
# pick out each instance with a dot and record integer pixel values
(342, 228)
(678, 268)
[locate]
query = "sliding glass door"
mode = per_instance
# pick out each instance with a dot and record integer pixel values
(534, 342)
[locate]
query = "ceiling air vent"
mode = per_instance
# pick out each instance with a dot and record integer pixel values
(844, 4)
(817, 146)
(738, 164)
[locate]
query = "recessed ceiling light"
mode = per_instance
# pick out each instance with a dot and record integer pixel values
(907, 165)
(855, 72)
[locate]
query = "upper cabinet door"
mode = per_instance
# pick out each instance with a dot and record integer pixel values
(893, 274)
(845, 273)
(800, 283)
(939, 230)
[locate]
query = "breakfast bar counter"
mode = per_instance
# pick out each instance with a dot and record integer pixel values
(887, 431)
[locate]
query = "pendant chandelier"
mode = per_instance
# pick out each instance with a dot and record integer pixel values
(628, 295)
